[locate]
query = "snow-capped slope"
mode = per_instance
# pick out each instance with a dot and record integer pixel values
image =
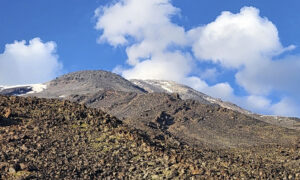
(20, 90)
(184, 92)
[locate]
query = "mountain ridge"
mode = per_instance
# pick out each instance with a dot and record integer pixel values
(82, 83)
(160, 108)
(185, 92)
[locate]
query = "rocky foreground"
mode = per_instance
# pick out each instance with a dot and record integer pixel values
(54, 139)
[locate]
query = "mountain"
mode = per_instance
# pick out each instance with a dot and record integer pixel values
(155, 130)
(58, 139)
(88, 83)
(160, 108)
(165, 107)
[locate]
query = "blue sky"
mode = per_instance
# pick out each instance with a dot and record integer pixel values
(65, 32)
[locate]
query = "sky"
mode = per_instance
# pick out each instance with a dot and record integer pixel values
(243, 51)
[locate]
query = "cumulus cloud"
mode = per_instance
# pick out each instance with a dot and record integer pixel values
(258, 103)
(169, 66)
(236, 39)
(145, 28)
(22, 63)
(280, 75)
(286, 107)
(247, 43)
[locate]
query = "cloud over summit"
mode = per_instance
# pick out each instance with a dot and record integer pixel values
(158, 48)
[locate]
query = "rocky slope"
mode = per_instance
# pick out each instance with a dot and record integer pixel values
(54, 139)
(190, 121)
(186, 92)
(195, 118)
(188, 115)
(84, 82)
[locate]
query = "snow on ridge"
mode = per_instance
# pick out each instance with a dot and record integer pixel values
(166, 86)
(169, 86)
(173, 87)
(36, 88)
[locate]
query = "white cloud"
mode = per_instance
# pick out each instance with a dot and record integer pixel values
(236, 39)
(138, 19)
(248, 43)
(280, 75)
(286, 107)
(219, 90)
(157, 48)
(22, 63)
(168, 66)
(257, 103)
(145, 28)
(196, 83)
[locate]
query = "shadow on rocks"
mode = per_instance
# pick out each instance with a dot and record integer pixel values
(8, 122)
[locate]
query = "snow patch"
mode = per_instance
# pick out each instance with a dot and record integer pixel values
(273, 116)
(166, 86)
(36, 88)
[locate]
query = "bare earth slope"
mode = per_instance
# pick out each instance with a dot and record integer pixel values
(54, 139)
